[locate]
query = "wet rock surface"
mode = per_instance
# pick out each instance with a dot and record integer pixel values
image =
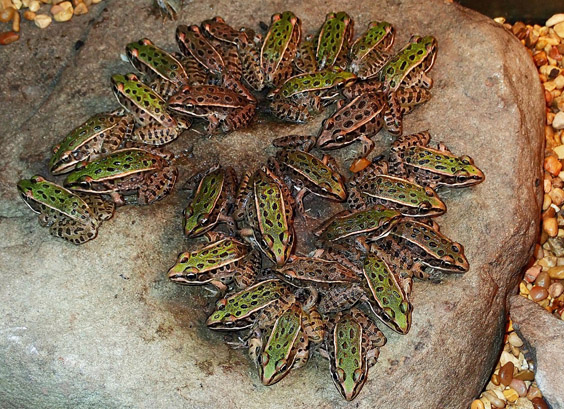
(544, 336)
(100, 326)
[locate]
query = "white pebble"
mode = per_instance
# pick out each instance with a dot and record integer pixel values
(558, 121)
(559, 29)
(557, 18)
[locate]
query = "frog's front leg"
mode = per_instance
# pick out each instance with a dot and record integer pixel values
(156, 134)
(290, 112)
(304, 142)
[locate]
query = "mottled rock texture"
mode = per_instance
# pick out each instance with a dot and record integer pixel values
(544, 338)
(100, 326)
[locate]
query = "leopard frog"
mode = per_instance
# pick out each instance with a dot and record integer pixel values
(69, 216)
(221, 107)
(155, 125)
(411, 157)
(368, 52)
(309, 174)
(100, 134)
(428, 247)
(132, 170)
(353, 344)
(279, 48)
(334, 39)
(301, 95)
(192, 41)
(375, 221)
(165, 72)
(374, 186)
(239, 310)
(264, 214)
(211, 202)
(219, 263)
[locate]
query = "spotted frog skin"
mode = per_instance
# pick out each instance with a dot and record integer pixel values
(309, 174)
(303, 95)
(305, 55)
(279, 48)
(369, 52)
(155, 125)
(334, 39)
(411, 157)
(164, 71)
(219, 263)
(373, 186)
(211, 202)
(99, 135)
(353, 344)
(192, 41)
(221, 107)
(264, 214)
(150, 176)
(69, 216)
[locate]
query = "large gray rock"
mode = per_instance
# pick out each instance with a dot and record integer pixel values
(100, 326)
(544, 338)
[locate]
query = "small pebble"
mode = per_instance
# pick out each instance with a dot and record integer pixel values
(514, 340)
(538, 293)
(493, 398)
(511, 395)
(534, 392)
(555, 19)
(62, 11)
(550, 226)
(559, 29)
(539, 403)
(551, 164)
(558, 121)
(7, 14)
(16, 22)
(506, 373)
(477, 404)
(556, 272)
(30, 15)
(540, 59)
(34, 6)
(42, 20)
(559, 150)
(495, 379)
(17, 4)
(8, 37)
(532, 273)
(519, 386)
(559, 81)
(523, 403)
(525, 375)
(80, 9)
(543, 280)
(556, 289)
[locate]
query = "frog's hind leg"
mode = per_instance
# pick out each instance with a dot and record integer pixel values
(73, 231)
(158, 185)
(155, 134)
(103, 209)
(239, 118)
(393, 115)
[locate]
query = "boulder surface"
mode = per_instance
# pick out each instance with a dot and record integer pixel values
(99, 325)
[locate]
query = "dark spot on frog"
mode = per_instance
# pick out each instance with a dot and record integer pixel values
(206, 367)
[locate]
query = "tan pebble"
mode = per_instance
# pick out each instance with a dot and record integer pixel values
(556, 272)
(25, 3)
(532, 273)
(493, 398)
(34, 6)
(506, 357)
(538, 293)
(523, 403)
(8, 37)
(477, 404)
(546, 200)
(17, 4)
(543, 280)
(539, 252)
(548, 97)
(550, 226)
(486, 402)
(559, 29)
(56, 9)
(559, 81)
(539, 403)
(65, 13)
(80, 9)
(7, 14)
(534, 392)
(514, 340)
(556, 289)
(555, 19)
(30, 15)
(525, 375)
(558, 121)
(495, 379)
(549, 117)
(96, 1)
(506, 373)
(523, 289)
(515, 351)
(540, 59)
(16, 23)
(42, 20)
(518, 386)
(511, 395)
(552, 165)
(549, 85)
(559, 150)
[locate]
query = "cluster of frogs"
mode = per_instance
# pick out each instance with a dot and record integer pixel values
(365, 257)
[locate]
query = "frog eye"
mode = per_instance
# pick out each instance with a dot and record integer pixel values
(467, 160)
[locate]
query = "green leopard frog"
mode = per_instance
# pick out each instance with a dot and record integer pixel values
(279, 48)
(333, 40)
(304, 94)
(373, 186)
(99, 135)
(264, 214)
(211, 202)
(221, 107)
(192, 42)
(220, 263)
(155, 126)
(353, 345)
(309, 174)
(149, 175)
(368, 54)
(69, 216)
(164, 71)
(240, 310)
(411, 157)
